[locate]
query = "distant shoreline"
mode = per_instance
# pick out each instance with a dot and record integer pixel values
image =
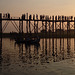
(41, 35)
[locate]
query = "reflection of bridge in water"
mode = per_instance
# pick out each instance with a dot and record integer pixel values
(48, 51)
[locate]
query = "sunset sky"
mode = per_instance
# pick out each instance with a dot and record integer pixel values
(47, 7)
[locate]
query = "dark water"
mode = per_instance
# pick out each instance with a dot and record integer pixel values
(49, 57)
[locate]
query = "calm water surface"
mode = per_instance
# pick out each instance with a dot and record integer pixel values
(49, 57)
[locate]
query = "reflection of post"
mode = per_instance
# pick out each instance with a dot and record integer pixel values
(68, 46)
(27, 54)
(21, 50)
(36, 50)
(0, 55)
(63, 49)
(60, 44)
(56, 46)
(0, 48)
(53, 47)
(49, 45)
(46, 47)
(43, 46)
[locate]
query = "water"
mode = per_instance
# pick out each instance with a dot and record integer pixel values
(50, 57)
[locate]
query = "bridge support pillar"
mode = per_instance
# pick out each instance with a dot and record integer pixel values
(0, 27)
(21, 27)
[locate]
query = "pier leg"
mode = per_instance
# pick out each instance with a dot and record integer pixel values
(74, 33)
(0, 41)
(46, 28)
(29, 27)
(42, 27)
(36, 25)
(49, 30)
(0, 26)
(60, 36)
(53, 26)
(68, 28)
(21, 28)
(27, 24)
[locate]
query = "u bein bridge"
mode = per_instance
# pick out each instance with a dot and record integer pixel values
(43, 26)
(51, 26)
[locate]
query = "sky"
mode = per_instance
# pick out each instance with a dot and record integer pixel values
(41, 7)
(47, 7)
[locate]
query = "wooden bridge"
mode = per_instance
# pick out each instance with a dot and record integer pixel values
(60, 26)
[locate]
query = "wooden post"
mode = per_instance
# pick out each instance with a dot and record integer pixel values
(42, 28)
(29, 27)
(21, 26)
(34, 23)
(37, 22)
(74, 27)
(56, 26)
(60, 27)
(74, 33)
(20, 29)
(63, 34)
(67, 28)
(0, 37)
(45, 28)
(53, 35)
(49, 30)
(27, 23)
(1, 25)
(52, 26)
(56, 35)
(60, 33)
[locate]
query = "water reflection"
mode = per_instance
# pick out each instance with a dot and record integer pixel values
(21, 57)
(28, 53)
(0, 55)
(49, 50)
